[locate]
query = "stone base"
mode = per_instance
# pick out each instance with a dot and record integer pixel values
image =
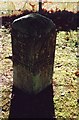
(24, 105)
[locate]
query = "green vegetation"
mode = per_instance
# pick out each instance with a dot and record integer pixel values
(65, 81)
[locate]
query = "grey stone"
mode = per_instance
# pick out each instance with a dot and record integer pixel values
(33, 46)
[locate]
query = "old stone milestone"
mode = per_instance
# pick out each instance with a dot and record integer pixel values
(33, 47)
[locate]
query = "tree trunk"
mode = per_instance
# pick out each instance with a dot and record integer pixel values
(40, 5)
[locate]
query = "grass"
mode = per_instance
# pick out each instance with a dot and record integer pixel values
(64, 75)
(65, 81)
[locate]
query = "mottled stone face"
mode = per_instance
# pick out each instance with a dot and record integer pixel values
(33, 45)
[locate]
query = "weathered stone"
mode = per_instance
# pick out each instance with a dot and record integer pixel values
(33, 46)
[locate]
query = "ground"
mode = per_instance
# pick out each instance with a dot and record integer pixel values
(64, 75)
(64, 78)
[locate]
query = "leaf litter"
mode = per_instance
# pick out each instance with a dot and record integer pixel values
(64, 78)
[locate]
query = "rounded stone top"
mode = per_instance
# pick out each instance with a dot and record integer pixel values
(33, 24)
